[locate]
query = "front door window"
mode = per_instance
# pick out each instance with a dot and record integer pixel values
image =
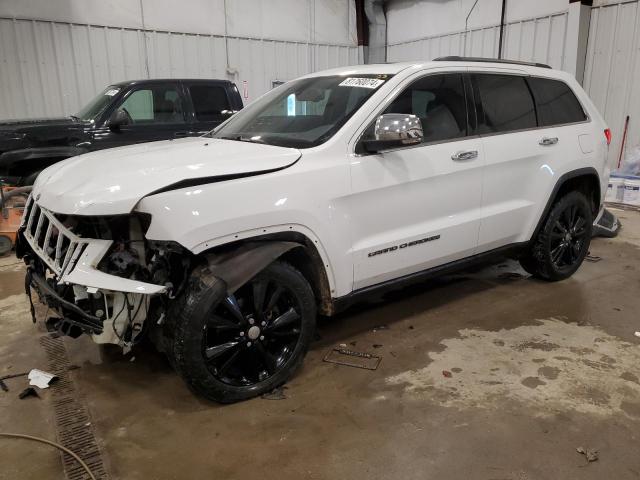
(152, 105)
(439, 102)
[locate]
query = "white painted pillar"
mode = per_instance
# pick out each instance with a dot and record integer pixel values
(374, 10)
(577, 35)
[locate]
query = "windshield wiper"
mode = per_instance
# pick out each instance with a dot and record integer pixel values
(240, 138)
(75, 117)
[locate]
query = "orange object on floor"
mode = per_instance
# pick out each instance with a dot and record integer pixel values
(12, 205)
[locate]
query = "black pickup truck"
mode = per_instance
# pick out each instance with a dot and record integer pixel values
(123, 114)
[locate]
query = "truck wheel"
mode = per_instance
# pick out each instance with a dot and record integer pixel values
(563, 241)
(233, 347)
(5, 244)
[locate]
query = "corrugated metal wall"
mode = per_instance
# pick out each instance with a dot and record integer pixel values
(53, 68)
(612, 69)
(612, 72)
(539, 39)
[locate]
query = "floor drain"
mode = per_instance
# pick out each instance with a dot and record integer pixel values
(72, 417)
(350, 358)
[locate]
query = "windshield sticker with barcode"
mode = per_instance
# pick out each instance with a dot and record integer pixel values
(362, 82)
(112, 92)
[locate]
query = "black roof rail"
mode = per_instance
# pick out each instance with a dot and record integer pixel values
(455, 58)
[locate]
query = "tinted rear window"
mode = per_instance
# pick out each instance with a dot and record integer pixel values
(556, 102)
(506, 103)
(208, 101)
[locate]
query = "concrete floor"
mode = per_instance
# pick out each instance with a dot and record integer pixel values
(537, 370)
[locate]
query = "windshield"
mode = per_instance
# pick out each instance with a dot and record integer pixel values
(302, 113)
(95, 107)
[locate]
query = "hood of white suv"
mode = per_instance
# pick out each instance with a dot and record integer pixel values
(111, 182)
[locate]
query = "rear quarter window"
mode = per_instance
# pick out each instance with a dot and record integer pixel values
(506, 103)
(556, 102)
(209, 101)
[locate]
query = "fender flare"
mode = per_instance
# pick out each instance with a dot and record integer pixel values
(225, 272)
(255, 234)
(237, 266)
(556, 188)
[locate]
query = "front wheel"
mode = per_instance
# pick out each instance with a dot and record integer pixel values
(5, 244)
(563, 241)
(231, 347)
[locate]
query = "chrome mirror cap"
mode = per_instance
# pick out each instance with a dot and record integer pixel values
(399, 127)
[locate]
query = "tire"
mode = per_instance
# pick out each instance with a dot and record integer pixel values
(563, 241)
(528, 263)
(5, 245)
(225, 348)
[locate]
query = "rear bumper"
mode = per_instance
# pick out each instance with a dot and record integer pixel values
(606, 224)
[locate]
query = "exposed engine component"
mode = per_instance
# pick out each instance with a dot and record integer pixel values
(122, 261)
(112, 317)
(169, 265)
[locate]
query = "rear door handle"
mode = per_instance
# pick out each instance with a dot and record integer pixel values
(465, 155)
(548, 140)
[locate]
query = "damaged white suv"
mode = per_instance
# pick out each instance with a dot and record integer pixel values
(223, 249)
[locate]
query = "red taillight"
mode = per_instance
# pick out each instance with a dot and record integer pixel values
(607, 135)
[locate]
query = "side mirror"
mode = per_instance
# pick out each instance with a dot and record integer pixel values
(118, 119)
(393, 130)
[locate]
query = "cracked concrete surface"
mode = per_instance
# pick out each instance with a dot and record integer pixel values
(556, 367)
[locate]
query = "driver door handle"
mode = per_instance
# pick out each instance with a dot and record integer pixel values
(548, 140)
(465, 155)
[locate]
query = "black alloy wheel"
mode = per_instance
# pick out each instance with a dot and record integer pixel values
(230, 347)
(567, 237)
(563, 241)
(250, 335)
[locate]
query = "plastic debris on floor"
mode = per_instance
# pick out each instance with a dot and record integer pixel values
(40, 379)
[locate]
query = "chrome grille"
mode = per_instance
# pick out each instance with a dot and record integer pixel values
(54, 243)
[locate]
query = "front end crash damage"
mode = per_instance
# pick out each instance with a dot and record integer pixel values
(237, 265)
(101, 276)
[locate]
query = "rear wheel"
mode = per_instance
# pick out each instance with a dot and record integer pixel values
(244, 344)
(563, 241)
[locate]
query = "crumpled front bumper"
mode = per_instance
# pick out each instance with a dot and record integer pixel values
(62, 268)
(72, 315)
(77, 263)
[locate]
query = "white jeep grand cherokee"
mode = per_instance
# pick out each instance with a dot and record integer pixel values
(224, 248)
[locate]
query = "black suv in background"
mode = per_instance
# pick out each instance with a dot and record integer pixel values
(123, 114)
